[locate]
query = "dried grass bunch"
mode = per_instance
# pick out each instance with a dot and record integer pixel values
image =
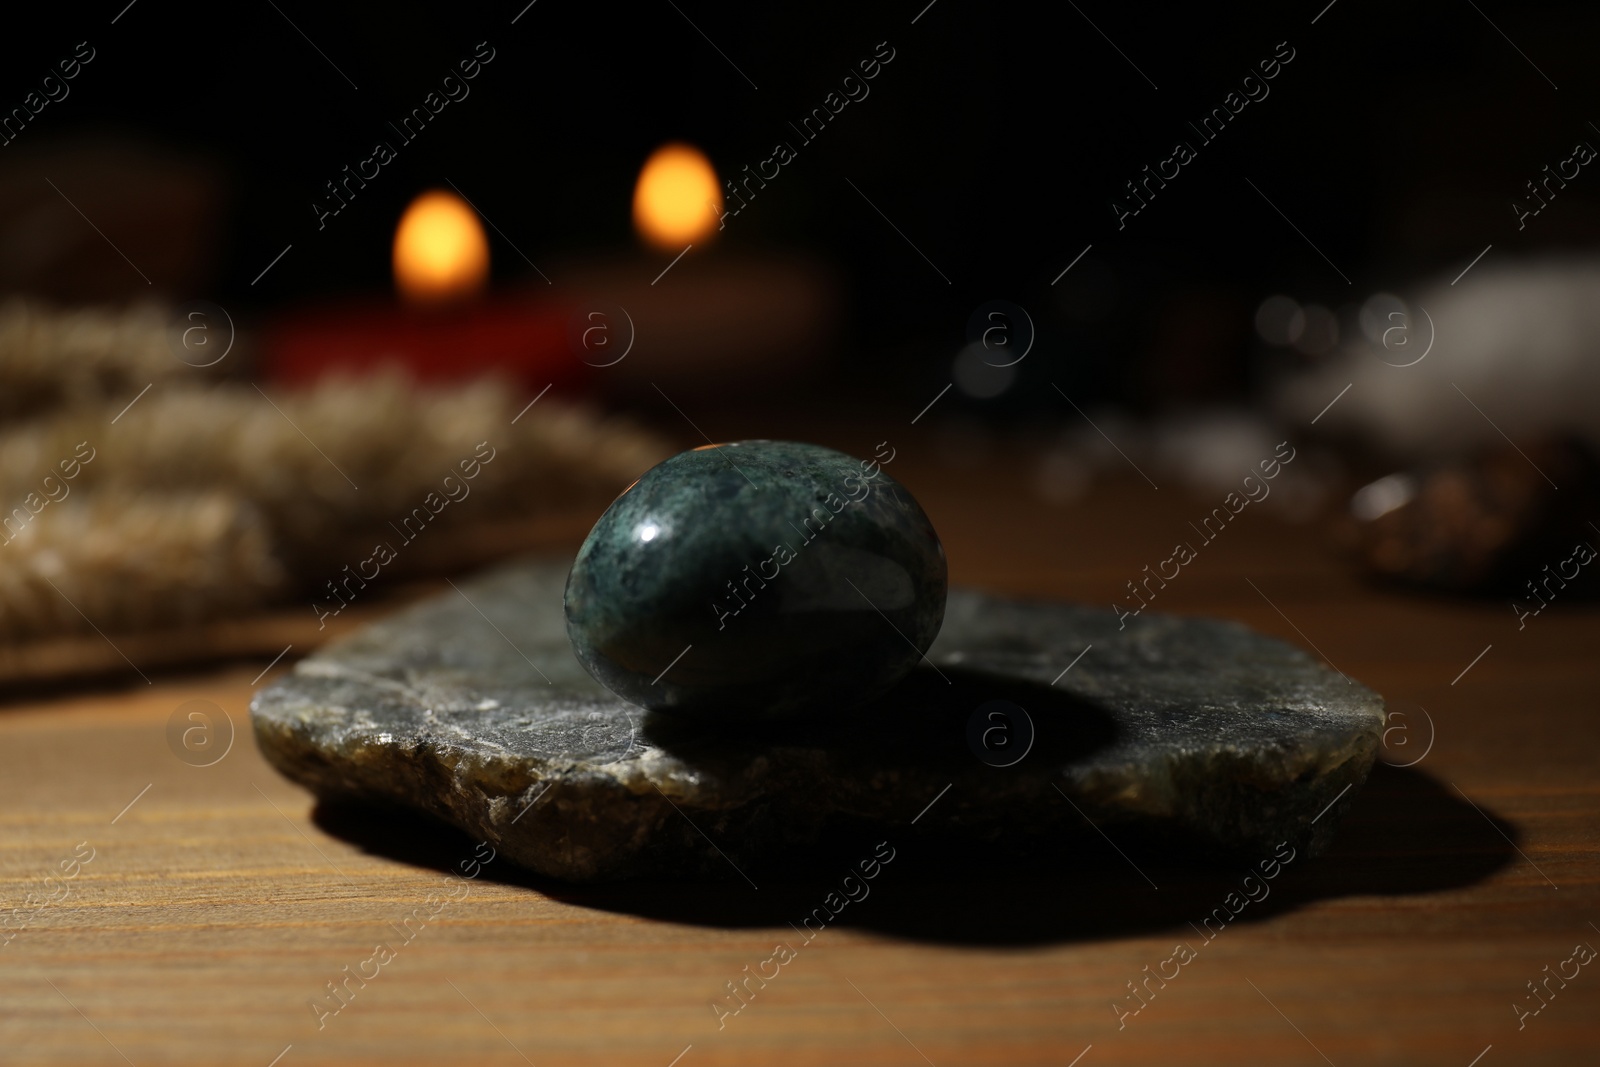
(211, 498)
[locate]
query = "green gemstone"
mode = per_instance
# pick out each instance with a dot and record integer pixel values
(757, 578)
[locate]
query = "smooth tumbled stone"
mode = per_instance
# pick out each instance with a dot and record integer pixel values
(1193, 727)
(757, 579)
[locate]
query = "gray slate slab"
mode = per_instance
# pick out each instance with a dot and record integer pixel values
(471, 707)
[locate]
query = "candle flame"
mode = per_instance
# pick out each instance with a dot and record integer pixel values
(440, 251)
(676, 201)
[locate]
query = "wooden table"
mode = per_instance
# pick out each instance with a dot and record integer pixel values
(215, 908)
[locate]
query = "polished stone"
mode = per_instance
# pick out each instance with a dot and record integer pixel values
(471, 707)
(757, 579)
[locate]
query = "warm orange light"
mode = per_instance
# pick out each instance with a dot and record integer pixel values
(677, 201)
(440, 251)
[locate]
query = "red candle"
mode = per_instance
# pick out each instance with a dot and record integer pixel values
(520, 335)
(444, 330)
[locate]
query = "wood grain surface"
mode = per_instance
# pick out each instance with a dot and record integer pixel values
(218, 904)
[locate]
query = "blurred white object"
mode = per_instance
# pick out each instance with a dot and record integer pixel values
(1210, 450)
(1378, 498)
(1516, 343)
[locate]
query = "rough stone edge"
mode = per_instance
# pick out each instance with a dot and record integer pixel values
(646, 835)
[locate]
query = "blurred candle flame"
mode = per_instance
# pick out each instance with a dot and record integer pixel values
(440, 252)
(676, 201)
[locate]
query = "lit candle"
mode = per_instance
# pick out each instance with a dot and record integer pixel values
(445, 328)
(440, 252)
(676, 199)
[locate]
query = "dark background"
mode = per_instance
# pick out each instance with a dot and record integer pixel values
(995, 140)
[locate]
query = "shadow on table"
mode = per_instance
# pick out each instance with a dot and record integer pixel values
(1405, 833)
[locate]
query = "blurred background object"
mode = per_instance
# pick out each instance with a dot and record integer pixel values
(51, 358)
(210, 499)
(1499, 521)
(1512, 351)
(168, 208)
